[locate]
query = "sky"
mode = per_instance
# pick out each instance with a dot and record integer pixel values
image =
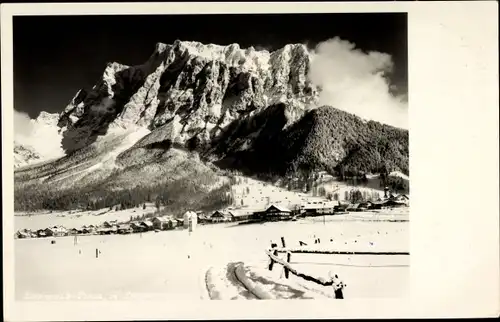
(55, 56)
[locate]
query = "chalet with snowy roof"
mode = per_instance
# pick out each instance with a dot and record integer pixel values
(24, 233)
(137, 227)
(274, 212)
(319, 208)
(109, 224)
(163, 223)
(74, 231)
(220, 216)
(202, 217)
(400, 198)
(363, 206)
(391, 203)
(241, 214)
(90, 229)
(56, 231)
(147, 224)
(124, 229)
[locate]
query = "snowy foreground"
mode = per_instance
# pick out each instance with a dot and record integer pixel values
(222, 261)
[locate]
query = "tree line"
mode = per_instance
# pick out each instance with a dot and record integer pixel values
(179, 195)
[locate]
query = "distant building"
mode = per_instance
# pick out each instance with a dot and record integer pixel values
(74, 231)
(274, 213)
(125, 229)
(402, 198)
(219, 216)
(109, 224)
(163, 223)
(137, 227)
(24, 233)
(319, 208)
(241, 214)
(353, 207)
(56, 231)
(147, 225)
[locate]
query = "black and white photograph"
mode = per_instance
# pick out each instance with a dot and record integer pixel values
(249, 162)
(223, 156)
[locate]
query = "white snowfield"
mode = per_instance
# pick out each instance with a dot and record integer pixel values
(225, 261)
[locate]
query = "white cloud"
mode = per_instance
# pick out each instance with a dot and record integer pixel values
(354, 81)
(42, 134)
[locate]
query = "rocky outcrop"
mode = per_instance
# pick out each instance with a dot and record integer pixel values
(24, 155)
(199, 89)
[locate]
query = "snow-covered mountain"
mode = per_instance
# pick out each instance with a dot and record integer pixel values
(24, 155)
(254, 111)
(40, 140)
(196, 90)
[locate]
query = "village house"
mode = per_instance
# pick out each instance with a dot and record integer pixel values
(24, 233)
(377, 204)
(90, 229)
(318, 208)
(104, 231)
(393, 204)
(363, 206)
(400, 199)
(203, 218)
(57, 231)
(74, 231)
(274, 213)
(147, 225)
(137, 227)
(110, 224)
(44, 232)
(124, 229)
(241, 214)
(219, 216)
(163, 223)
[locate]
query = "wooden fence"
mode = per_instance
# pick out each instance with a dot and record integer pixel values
(289, 269)
(274, 251)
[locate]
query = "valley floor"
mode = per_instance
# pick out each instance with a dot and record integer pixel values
(217, 261)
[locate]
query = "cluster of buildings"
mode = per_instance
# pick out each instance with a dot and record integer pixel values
(107, 228)
(317, 208)
(190, 219)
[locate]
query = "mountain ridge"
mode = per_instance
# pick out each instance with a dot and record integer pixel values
(191, 108)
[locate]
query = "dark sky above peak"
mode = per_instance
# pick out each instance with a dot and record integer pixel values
(55, 56)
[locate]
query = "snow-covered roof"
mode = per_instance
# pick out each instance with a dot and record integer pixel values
(242, 212)
(161, 219)
(280, 208)
(321, 205)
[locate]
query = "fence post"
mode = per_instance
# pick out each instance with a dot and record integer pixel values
(288, 258)
(271, 263)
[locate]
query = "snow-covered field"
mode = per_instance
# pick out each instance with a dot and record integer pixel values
(175, 264)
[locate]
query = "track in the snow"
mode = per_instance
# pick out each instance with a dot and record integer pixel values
(232, 269)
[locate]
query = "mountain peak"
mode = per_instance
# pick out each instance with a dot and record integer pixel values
(207, 86)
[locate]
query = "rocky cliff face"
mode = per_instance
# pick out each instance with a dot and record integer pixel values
(24, 155)
(190, 91)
